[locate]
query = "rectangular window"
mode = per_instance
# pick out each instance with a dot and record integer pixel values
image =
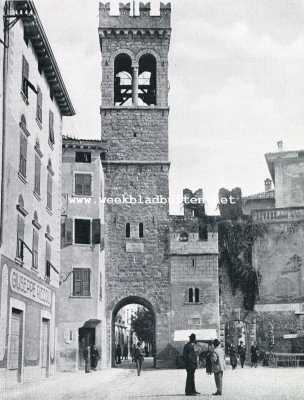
(83, 156)
(48, 256)
(83, 184)
(81, 282)
(35, 248)
(37, 174)
(51, 127)
(20, 237)
(25, 76)
(49, 199)
(82, 230)
(39, 105)
(22, 156)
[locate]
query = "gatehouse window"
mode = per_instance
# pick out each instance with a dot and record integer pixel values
(193, 295)
(141, 230)
(81, 282)
(128, 230)
(147, 80)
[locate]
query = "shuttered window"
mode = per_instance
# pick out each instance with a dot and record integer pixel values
(49, 200)
(39, 105)
(20, 236)
(81, 282)
(15, 340)
(22, 156)
(25, 76)
(48, 256)
(51, 127)
(35, 248)
(37, 174)
(83, 184)
(82, 231)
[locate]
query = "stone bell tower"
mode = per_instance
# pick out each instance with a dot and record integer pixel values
(134, 126)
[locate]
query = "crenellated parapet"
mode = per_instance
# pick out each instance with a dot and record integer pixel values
(125, 23)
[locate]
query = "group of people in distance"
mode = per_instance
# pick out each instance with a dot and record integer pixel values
(215, 363)
(240, 352)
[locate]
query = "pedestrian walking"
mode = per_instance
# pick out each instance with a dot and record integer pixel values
(254, 355)
(233, 356)
(125, 352)
(118, 354)
(242, 353)
(190, 360)
(218, 367)
(138, 357)
(95, 357)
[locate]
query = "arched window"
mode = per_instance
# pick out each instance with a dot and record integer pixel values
(128, 230)
(190, 295)
(141, 230)
(123, 80)
(147, 80)
(196, 295)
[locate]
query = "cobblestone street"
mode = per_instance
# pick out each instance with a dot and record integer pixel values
(118, 384)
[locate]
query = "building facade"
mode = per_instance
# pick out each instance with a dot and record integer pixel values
(35, 102)
(194, 273)
(80, 321)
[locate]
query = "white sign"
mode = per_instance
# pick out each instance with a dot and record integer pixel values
(29, 288)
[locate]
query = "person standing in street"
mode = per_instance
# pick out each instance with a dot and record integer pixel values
(242, 353)
(94, 357)
(87, 358)
(218, 367)
(118, 354)
(233, 356)
(190, 360)
(138, 357)
(254, 355)
(125, 351)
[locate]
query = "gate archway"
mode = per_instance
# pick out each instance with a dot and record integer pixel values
(125, 302)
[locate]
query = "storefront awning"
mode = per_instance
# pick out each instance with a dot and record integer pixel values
(201, 335)
(91, 323)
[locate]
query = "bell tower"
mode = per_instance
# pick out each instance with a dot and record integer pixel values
(134, 127)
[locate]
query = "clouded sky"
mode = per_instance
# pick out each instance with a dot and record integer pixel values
(236, 85)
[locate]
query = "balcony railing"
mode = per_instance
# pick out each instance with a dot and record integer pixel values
(278, 214)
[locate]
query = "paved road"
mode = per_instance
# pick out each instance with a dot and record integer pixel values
(124, 384)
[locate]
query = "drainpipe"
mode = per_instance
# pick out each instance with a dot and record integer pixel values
(5, 67)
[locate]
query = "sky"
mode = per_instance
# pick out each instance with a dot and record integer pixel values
(236, 86)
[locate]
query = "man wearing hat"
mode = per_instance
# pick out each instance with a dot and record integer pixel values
(190, 359)
(218, 366)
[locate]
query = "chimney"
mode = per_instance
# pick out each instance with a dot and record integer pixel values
(268, 185)
(280, 145)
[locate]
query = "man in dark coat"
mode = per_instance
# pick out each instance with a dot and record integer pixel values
(190, 359)
(242, 353)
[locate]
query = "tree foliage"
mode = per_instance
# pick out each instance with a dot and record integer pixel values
(143, 325)
(236, 239)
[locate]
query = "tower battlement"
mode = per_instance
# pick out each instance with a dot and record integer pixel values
(127, 21)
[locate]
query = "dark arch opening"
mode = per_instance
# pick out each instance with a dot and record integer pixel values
(147, 79)
(122, 80)
(139, 301)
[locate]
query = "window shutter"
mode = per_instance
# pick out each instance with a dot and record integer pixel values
(39, 105)
(68, 232)
(96, 231)
(51, 127)
(49, 191)
(37, 174)
(25, 76)
(102, 234)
